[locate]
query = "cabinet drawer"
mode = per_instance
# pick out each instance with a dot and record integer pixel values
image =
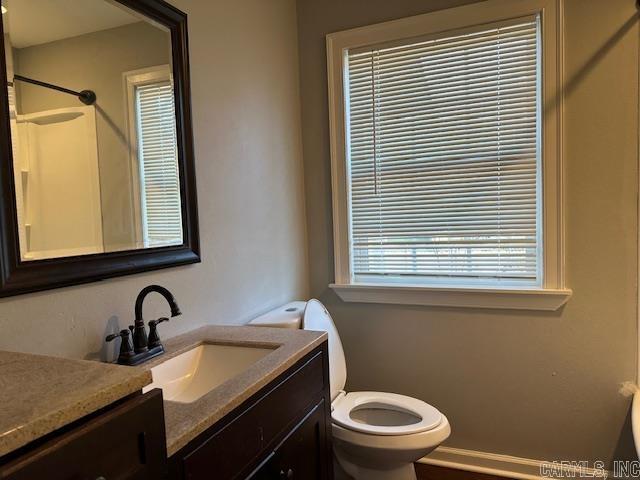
(126, 442)
(259, 426)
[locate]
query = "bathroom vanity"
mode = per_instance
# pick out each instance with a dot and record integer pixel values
(269, 419)
(125, 440)
(280, 432)
(75, 419)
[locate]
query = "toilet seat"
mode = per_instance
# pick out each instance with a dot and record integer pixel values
(427, 417)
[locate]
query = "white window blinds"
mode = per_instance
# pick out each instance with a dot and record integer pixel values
(161, 205)
(444, 158)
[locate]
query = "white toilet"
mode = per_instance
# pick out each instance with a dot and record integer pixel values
(376, 435)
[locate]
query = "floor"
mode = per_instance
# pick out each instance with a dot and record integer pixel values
(430, 472)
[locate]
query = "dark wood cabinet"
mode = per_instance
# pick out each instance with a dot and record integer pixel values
(282, 432)
(124, 442)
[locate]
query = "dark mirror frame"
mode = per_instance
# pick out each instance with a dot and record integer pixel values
(18, 277)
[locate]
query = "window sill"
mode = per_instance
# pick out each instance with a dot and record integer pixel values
(513, 298)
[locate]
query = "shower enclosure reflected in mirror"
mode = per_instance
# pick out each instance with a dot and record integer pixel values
(99, 136)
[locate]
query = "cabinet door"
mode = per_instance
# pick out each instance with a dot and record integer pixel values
(302, 454)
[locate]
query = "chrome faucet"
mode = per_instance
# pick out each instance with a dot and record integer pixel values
(144, 347)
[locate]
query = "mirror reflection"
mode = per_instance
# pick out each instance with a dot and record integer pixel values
(93, 128)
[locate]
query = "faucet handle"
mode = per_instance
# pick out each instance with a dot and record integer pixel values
(113, 336)
(154, 338)
(126, 348)
(153, 323)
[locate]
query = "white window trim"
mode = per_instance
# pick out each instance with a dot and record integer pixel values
(133, 79)
(553, 293)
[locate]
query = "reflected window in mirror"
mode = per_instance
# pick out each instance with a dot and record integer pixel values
(153, 152)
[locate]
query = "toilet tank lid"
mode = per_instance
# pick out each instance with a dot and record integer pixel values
(285, 316)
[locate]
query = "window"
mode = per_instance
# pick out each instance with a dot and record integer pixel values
(154, 158)
(438, 173)
(443, 158)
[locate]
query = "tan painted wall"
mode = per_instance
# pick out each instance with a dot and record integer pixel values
(96, 61)
(528, 384)
(246, 116)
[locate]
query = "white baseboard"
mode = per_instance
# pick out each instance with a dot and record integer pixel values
(498, 465)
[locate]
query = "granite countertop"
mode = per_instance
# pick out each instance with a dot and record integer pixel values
(40, 394)
(185, 421)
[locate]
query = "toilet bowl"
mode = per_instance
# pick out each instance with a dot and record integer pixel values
(376, 435)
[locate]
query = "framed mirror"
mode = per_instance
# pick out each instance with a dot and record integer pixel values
(97, 171)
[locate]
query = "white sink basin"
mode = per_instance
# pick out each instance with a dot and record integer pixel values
(190, 375)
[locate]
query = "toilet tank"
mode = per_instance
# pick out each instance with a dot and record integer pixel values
(315, 317)
(285, 316)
